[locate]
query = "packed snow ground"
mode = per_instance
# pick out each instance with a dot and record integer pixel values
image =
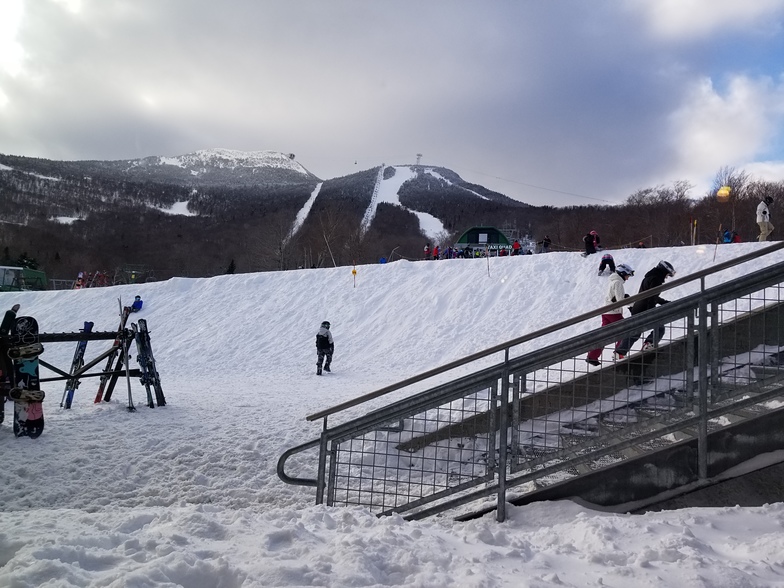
(188, 495)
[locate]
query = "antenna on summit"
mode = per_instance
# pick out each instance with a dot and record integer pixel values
(419, 158)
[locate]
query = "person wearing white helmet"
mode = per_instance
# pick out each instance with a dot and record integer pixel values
(616, 292)
(325, 347)
(763, 218)
(652, 279)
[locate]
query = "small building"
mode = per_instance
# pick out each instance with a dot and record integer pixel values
(480, 238)
(14, 279)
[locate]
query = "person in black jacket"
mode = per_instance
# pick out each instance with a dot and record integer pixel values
(652, 279)
(325, 347)
(591, 241)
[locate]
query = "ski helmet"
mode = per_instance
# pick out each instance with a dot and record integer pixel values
(593, 233)
(667, 267)
(325, 324)
(624, 270)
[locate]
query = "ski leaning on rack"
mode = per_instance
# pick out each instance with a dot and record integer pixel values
(124, 312)
(77, 363)
(149, 377)
(26, 392)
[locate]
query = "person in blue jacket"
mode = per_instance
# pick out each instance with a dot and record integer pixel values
(137, 304)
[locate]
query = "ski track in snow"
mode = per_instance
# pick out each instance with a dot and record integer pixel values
(188, 494)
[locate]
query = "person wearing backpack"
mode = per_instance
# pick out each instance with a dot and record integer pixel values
(653, 279)
(325, 347)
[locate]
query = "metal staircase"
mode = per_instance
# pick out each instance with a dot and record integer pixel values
(529, 419)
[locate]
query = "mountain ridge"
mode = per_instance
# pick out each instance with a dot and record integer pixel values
(242, 206)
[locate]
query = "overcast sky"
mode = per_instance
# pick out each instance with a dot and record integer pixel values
(550, 102)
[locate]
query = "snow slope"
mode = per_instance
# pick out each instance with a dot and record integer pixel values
(187, 494)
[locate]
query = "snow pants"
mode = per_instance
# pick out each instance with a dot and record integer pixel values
(765, 229)
(653, 338)
(607, 319)
(606, 263)
(322, 355)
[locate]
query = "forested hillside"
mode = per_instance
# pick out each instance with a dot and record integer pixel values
(68, 217)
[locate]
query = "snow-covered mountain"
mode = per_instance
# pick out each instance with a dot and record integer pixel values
(209, 164)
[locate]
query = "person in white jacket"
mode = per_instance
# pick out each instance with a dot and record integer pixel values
(763, 218)
(616, 292)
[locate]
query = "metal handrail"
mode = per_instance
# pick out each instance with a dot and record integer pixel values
(544, 331)
(531, 361)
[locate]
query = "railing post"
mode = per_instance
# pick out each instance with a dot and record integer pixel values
(702, 390)
(503, 439)
(322, 465)
(690, 339)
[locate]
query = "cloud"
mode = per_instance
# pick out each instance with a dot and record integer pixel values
(11, 52)
(592, 99)
(713, 129)
(687, 19)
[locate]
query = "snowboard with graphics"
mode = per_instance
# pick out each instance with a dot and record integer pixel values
(26, 390)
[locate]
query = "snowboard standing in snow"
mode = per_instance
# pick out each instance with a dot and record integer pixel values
(77, 363)
(26, 392)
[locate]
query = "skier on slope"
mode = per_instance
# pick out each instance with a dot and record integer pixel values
(137, 304)
(325, 347)
(614, 294)
(652, 279)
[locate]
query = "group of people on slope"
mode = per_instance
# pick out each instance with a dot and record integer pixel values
(592, 242)
(616, 292)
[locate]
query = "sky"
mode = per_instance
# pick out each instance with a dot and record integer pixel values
(551, 103)
(187, 494)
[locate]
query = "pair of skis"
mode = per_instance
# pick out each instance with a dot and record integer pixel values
(149, 378)
(117, 356)
(77, 364)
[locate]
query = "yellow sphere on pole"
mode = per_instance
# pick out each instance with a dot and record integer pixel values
(723, 193)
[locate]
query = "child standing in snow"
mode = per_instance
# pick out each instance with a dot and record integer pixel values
(325, 347)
